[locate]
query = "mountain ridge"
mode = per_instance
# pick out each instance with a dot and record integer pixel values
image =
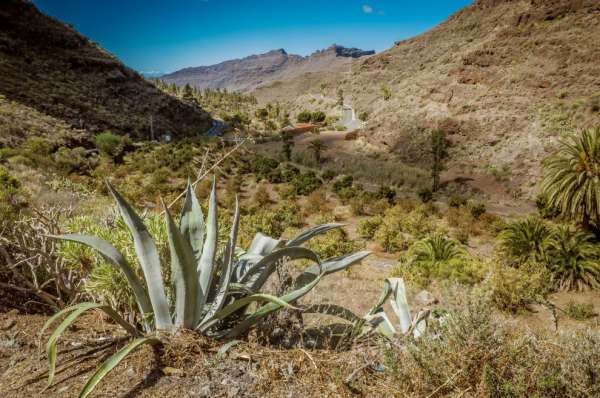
(254, 70)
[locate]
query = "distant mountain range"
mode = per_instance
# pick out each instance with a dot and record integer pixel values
(253, 71)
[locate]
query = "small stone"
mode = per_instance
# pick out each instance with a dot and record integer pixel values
(425, 298)
(169, 371)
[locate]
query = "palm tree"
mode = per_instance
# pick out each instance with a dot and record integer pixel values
(435, 248)
(317, 146)
(572, 181)
(525, 239)
(573, 258)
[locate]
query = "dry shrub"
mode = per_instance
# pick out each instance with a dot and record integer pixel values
(515, 289)
(473, 353)
(34, 277)
(316, 202)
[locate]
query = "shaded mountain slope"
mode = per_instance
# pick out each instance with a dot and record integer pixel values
(50, 71)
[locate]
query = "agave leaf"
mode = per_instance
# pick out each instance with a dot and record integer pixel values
(258, 274)
(183, 274)
(262, 245)
(111, 254)
(382, 324)
(387, 291)
(149, 260)
(112, 362)
(331, 309)
(330, 266)
(226, 273)
(272, 307)
(311, 233)
(241, 303)
(74, 313)
(192, 222)
(207, 260)
(400, 304)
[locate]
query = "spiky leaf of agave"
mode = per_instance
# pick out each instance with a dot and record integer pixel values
(400, 303)
(192, 222)
(183, 274)
(226, 271)
(72, 314)
(113, 362)
(111, 254)
(147, 254)
(207, 262)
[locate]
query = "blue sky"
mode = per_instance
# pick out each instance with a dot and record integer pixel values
(161, 35)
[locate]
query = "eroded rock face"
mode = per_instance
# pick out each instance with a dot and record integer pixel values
(255, 70)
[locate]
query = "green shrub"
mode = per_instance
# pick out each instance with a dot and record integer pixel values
(304, 116)
(111, 145)
(368, 226)
(264, 167)
(306, 183)
(387, 193)
(318, 117)
(12, 196)
(457, 201)
(261, 196)
(515, 289)
(477, 210)
(425, 195)
(342, 182)
(357, 206)
(332, 244)
(580, 312)
(328, 175)
(72, 160)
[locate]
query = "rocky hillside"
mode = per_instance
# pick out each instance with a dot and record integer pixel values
(54, 81)
(505, 79)
(255, 70)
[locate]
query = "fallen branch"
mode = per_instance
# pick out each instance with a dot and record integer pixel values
(206, 173)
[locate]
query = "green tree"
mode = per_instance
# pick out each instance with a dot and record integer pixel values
(317, 146)
(188, 93)
(439, 150)
(572, 180)
(288, 145)
(340, 97)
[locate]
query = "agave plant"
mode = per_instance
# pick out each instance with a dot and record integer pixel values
(573, 258)
(213, 292)
(395, 290)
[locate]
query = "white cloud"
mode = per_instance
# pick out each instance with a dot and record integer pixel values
(367, 9)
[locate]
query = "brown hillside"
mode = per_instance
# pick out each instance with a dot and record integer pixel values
(49, 71)
(504, 78)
